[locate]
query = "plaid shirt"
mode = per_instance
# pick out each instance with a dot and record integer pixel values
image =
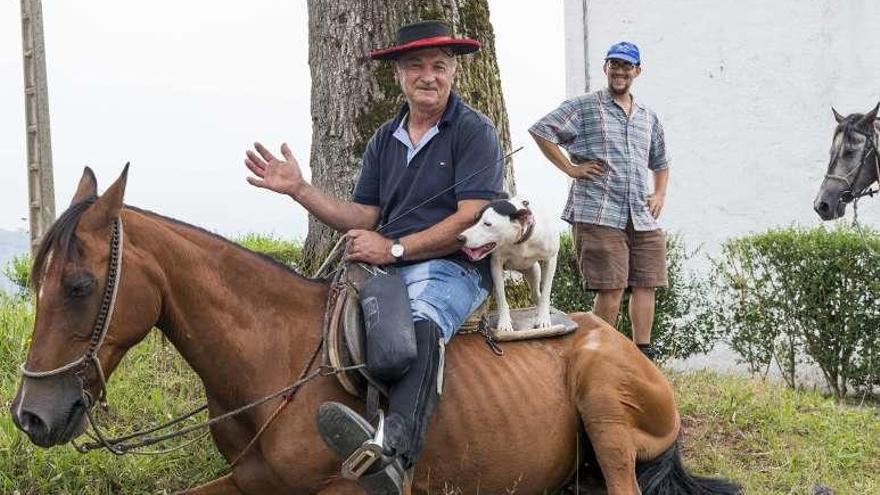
(593, 127)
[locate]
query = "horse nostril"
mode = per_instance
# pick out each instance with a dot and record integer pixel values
(461, 239)
(32, 424)
(822, 208)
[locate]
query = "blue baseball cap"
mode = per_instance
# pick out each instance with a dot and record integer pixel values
(626, 51)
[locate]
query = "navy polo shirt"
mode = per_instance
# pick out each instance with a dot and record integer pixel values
(465, 143)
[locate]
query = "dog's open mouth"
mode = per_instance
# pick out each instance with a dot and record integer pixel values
(479, 253)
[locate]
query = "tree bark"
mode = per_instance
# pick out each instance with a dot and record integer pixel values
(353, 95)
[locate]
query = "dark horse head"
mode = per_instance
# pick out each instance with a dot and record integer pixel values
(72, 349)
(854, 163)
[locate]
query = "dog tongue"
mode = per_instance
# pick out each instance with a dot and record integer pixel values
(478, 253)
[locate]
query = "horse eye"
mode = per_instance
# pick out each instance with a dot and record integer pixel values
(487, 224)
(81, 286)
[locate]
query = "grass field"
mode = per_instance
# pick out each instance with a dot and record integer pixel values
(771, 439)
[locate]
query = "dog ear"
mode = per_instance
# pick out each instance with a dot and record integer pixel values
(521, 214)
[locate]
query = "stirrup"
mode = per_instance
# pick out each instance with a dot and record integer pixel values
(366, 455)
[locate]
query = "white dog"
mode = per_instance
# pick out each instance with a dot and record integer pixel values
(517, 240)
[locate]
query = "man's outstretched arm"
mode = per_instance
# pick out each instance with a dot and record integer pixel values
(285, 177)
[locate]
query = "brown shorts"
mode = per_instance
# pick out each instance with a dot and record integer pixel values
(611, 258)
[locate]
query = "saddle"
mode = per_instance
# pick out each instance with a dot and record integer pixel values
(346, 340)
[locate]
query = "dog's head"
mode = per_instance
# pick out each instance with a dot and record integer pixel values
(501, 222)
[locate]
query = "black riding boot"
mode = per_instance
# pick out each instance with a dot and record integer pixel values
(414, 397)
(412, 401)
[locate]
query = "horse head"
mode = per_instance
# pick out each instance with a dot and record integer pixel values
(87, 316)
(854, 163)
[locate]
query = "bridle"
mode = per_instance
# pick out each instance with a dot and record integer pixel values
(99, 331)
(129, 444)
(871, 145)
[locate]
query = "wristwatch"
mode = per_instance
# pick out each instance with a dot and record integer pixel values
(397, 250)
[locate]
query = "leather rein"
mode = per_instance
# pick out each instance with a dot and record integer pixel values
(129, 444)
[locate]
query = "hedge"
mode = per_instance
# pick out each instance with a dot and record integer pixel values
(797, 295)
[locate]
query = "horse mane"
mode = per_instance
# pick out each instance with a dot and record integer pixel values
(263, 256)
(62, 240)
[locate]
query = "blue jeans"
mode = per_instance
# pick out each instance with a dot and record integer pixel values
(444, 292)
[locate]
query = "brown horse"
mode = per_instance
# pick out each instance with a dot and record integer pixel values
(248, 326)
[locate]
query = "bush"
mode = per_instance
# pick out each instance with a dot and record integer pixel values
(281, 250)
(18, 270)
(792, 292)
(677, 331)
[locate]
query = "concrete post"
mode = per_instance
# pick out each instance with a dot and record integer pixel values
(41, 189)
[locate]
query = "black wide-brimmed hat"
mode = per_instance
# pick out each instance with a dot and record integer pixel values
(425, 34)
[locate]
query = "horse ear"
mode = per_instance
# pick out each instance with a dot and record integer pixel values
(108, 206)
(87, 188)
(839, 118)
(867, 121)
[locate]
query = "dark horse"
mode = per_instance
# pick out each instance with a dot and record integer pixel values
(854, 165)
(248, 326)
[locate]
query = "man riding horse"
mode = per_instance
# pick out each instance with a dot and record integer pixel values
(436, 144)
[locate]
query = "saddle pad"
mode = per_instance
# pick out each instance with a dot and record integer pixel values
(522, 325)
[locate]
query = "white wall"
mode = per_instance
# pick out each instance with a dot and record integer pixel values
(745, 90)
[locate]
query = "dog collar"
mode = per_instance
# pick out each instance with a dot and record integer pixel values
(527, 222)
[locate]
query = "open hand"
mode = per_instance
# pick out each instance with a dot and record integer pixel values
(282, 176)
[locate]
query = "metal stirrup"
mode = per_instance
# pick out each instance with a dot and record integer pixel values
(367, 454)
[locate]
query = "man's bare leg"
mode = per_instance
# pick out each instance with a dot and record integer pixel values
(607, 305)
(641, 313)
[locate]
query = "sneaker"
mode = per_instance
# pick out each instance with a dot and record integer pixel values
(345, 432)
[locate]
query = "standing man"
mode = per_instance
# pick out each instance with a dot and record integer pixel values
(615, 146)
(435, 143)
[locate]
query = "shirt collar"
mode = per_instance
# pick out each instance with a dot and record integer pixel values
(452, 108)
(606, 99)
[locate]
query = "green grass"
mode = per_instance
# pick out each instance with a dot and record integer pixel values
(151, 385)
(775, 440)
(288, 252)
(771, 439)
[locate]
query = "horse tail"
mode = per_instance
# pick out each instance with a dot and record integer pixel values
(666, 475)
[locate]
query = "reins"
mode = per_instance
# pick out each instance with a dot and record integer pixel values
(445, 190)
(132, 442)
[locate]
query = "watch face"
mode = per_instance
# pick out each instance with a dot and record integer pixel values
(397, 250)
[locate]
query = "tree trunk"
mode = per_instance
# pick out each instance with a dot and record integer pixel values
(353, 95)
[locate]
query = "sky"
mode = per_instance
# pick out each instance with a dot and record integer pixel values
(181, 91)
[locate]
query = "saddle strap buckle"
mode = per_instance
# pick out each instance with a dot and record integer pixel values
(366, 455)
